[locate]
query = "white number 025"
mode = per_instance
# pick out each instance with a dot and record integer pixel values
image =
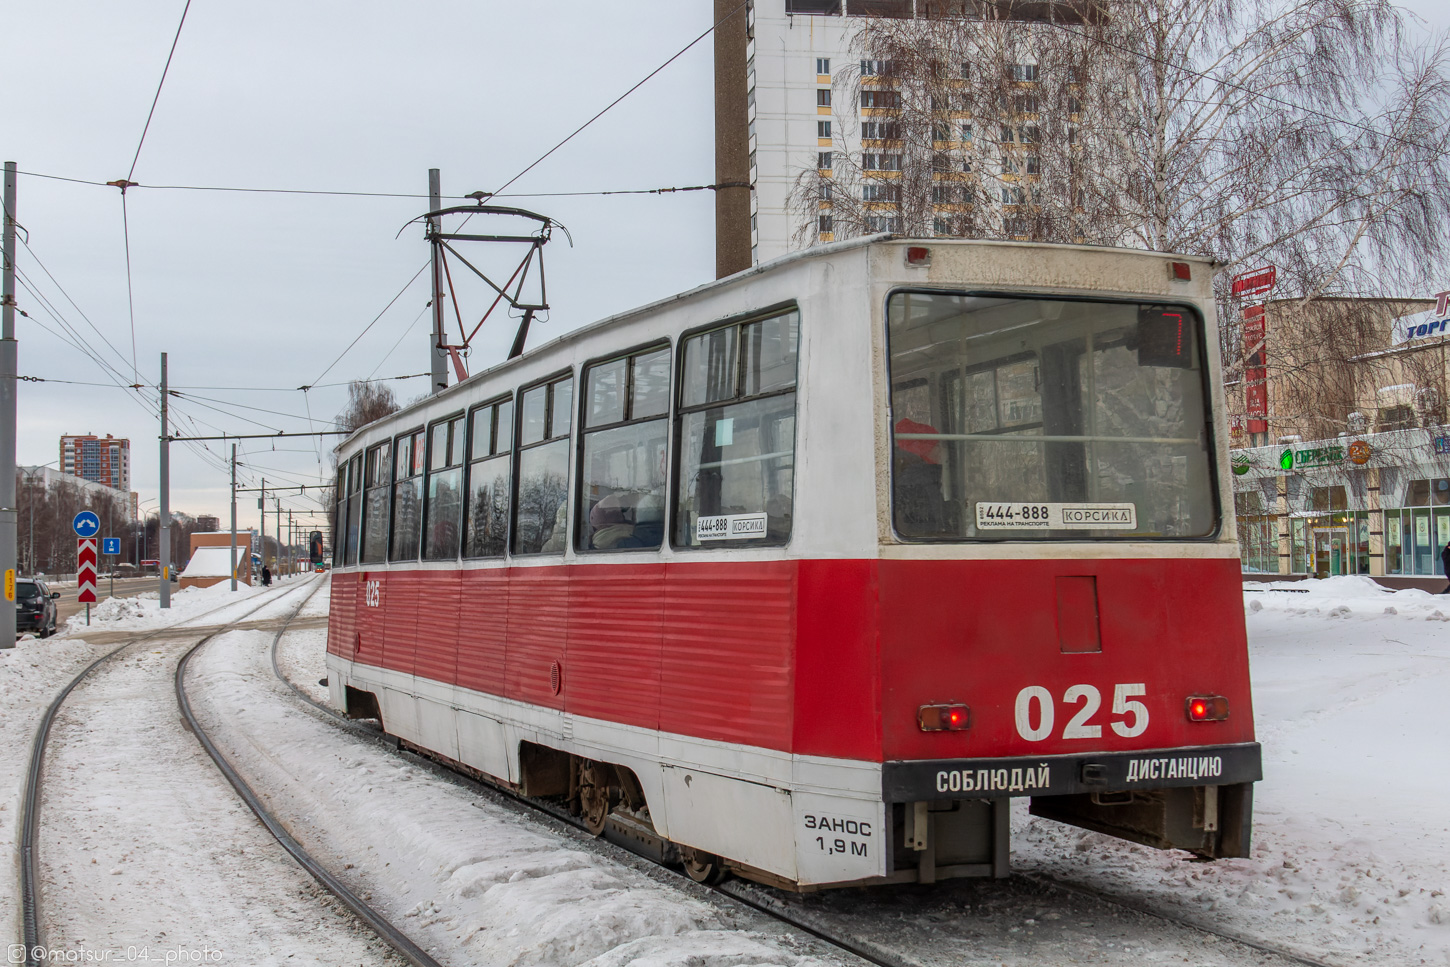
(1034, 704)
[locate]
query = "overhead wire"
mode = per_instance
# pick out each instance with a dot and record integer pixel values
(676, 56)
(164, 71)
(368, 327)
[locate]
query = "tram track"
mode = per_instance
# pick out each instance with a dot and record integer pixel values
(36, 952)
(774, 904)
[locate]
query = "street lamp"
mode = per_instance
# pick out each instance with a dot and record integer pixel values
(30, 474)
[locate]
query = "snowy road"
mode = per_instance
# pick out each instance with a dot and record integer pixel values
(1349, 866)
(144, 847)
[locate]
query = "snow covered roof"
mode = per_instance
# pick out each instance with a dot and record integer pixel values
(212, 562)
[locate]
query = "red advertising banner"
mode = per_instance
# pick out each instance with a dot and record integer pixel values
(86, 570)
(1256, 281)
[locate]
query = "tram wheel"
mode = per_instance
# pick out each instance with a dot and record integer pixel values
(594, 804)
(702, 867)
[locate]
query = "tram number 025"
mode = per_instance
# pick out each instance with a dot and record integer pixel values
(1036, 713)
(372, 594)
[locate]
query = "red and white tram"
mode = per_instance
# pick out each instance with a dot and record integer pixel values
(808, 571)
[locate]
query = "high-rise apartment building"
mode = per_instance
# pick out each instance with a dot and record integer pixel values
(811, 96)
(103, 460)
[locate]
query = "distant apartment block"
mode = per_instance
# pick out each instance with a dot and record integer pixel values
(800, 55)
(103, 460)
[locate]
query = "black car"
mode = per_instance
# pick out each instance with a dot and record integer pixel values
(35, 608)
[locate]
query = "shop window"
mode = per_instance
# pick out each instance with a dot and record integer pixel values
(828, 8)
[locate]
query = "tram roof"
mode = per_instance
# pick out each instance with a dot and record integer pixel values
(814, 252)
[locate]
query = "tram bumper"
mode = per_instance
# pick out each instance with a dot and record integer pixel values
(1196, 798)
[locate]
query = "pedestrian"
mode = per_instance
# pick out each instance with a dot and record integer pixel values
(1445, 566)
(267, 572)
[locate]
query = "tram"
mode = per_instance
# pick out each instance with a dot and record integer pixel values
(804, 574)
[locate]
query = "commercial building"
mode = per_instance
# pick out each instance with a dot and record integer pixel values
(1357, 480)
(103, 460)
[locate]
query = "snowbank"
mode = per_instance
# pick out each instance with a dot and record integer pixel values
(1351, 855)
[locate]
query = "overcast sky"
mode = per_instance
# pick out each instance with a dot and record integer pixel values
(265, 290)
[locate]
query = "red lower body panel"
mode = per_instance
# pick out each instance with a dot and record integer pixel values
(827, 657)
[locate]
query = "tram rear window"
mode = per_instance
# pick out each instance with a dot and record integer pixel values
(1041, 419)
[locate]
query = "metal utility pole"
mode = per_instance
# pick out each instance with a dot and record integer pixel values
(262, 507)
(234, 516)
(732, 139)
(436, 352)
(9, 370)
(278, 502)
(165, 511)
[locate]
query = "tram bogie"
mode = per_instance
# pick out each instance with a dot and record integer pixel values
(804, 575)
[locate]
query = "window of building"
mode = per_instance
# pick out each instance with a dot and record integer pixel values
(489, 472)
(823, 65)
(541, 505)
(1013, 195)
(823, 97)
(1009, 134)
(736, 433)
(941, 226)
(378, 480)
(408, 453)
(1399, 417)
(896, 9)
(823, 160)
(823, 129)
(880, 191)
(883, 223)
(443, 521)
(941, 131)
(877, 68)
(825, 191)
(965, 70)
(827, 224)
(1327, 499)
(626, 435)
(1425, 493)
(881, 130)
(872, 161)
(1022, 72)
(945, 194)
(941, 162)
(881, 99)
(828, 8)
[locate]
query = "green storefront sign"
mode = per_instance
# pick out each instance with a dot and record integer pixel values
(1317, 457)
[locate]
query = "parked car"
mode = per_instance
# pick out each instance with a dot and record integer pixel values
(35, 608)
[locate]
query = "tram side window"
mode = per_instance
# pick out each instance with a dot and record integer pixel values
(541, 506)
(377, 483)
(625, 445)
(737, 434)
(339, 518)
(407, 497)
(444, 508)
(354, 507)
(488, 479)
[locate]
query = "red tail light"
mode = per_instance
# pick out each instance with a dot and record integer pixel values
(1206, 708)
(918, 255)
(944, 718)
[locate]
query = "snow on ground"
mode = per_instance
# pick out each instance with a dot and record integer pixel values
(472, 880)
(33, 673)
(1351, 856)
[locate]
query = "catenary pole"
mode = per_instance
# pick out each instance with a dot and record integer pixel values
(9, 370)
(234, 517)
(436, 338)
(262, 507)
(165, 510)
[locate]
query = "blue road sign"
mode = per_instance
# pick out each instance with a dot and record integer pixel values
(111, 545)
(86, 524)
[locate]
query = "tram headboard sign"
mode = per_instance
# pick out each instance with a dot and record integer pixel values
(1165, 337)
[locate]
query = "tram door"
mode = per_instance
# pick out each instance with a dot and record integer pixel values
(1331, 552)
